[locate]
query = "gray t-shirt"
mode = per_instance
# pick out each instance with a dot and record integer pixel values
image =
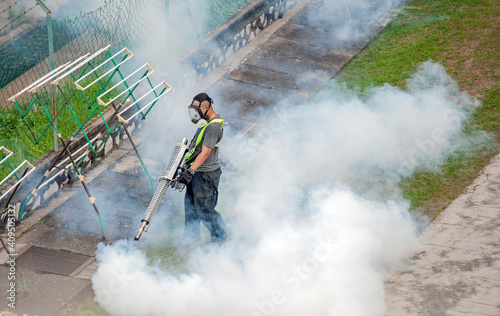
(211, 137)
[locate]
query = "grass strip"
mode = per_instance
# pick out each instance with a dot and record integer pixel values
(463, 37)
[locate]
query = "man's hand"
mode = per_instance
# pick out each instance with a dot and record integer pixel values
(186, 176)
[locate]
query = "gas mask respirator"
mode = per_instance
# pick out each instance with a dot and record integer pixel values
(197, 117)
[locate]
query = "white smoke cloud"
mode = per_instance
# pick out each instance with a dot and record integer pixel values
(312, 205)
(351, 20)
(175, 29)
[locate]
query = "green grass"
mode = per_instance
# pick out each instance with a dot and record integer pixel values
(462, 36)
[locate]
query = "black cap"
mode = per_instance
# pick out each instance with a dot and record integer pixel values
(200, 97)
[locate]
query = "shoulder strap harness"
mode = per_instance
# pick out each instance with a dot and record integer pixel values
(200, 137)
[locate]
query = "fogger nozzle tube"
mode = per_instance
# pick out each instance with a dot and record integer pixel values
(141, 229)
(167, 177)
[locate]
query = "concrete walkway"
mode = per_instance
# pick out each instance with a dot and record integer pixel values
(457, 270)
(292, 59)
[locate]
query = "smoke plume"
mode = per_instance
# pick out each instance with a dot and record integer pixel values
(350, 21)
(312, 205)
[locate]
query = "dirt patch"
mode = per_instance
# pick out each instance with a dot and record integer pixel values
(475, 59)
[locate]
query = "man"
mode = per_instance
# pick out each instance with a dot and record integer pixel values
(203, 172)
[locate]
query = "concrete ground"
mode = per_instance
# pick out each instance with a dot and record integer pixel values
(457, 269)
(278, 63)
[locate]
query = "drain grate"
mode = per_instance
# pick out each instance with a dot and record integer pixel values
(54, 261)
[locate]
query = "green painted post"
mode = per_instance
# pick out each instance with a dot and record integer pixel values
(50, 32)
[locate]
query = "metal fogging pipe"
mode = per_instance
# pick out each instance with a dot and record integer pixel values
(166, 179)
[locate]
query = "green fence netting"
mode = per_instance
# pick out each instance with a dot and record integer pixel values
(24, 52)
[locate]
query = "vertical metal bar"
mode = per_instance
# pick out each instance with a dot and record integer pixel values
(50, 32)
(54, 115)
(133, 145)
(82, 181)
(17, 186)
(52, 67)
(45, 175)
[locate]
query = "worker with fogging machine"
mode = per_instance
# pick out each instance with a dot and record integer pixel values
(200, 174)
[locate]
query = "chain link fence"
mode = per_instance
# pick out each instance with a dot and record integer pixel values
(25, 39)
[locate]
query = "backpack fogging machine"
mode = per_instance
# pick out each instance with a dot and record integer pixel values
(168, 178)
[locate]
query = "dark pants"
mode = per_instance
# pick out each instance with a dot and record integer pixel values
(199, 205)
